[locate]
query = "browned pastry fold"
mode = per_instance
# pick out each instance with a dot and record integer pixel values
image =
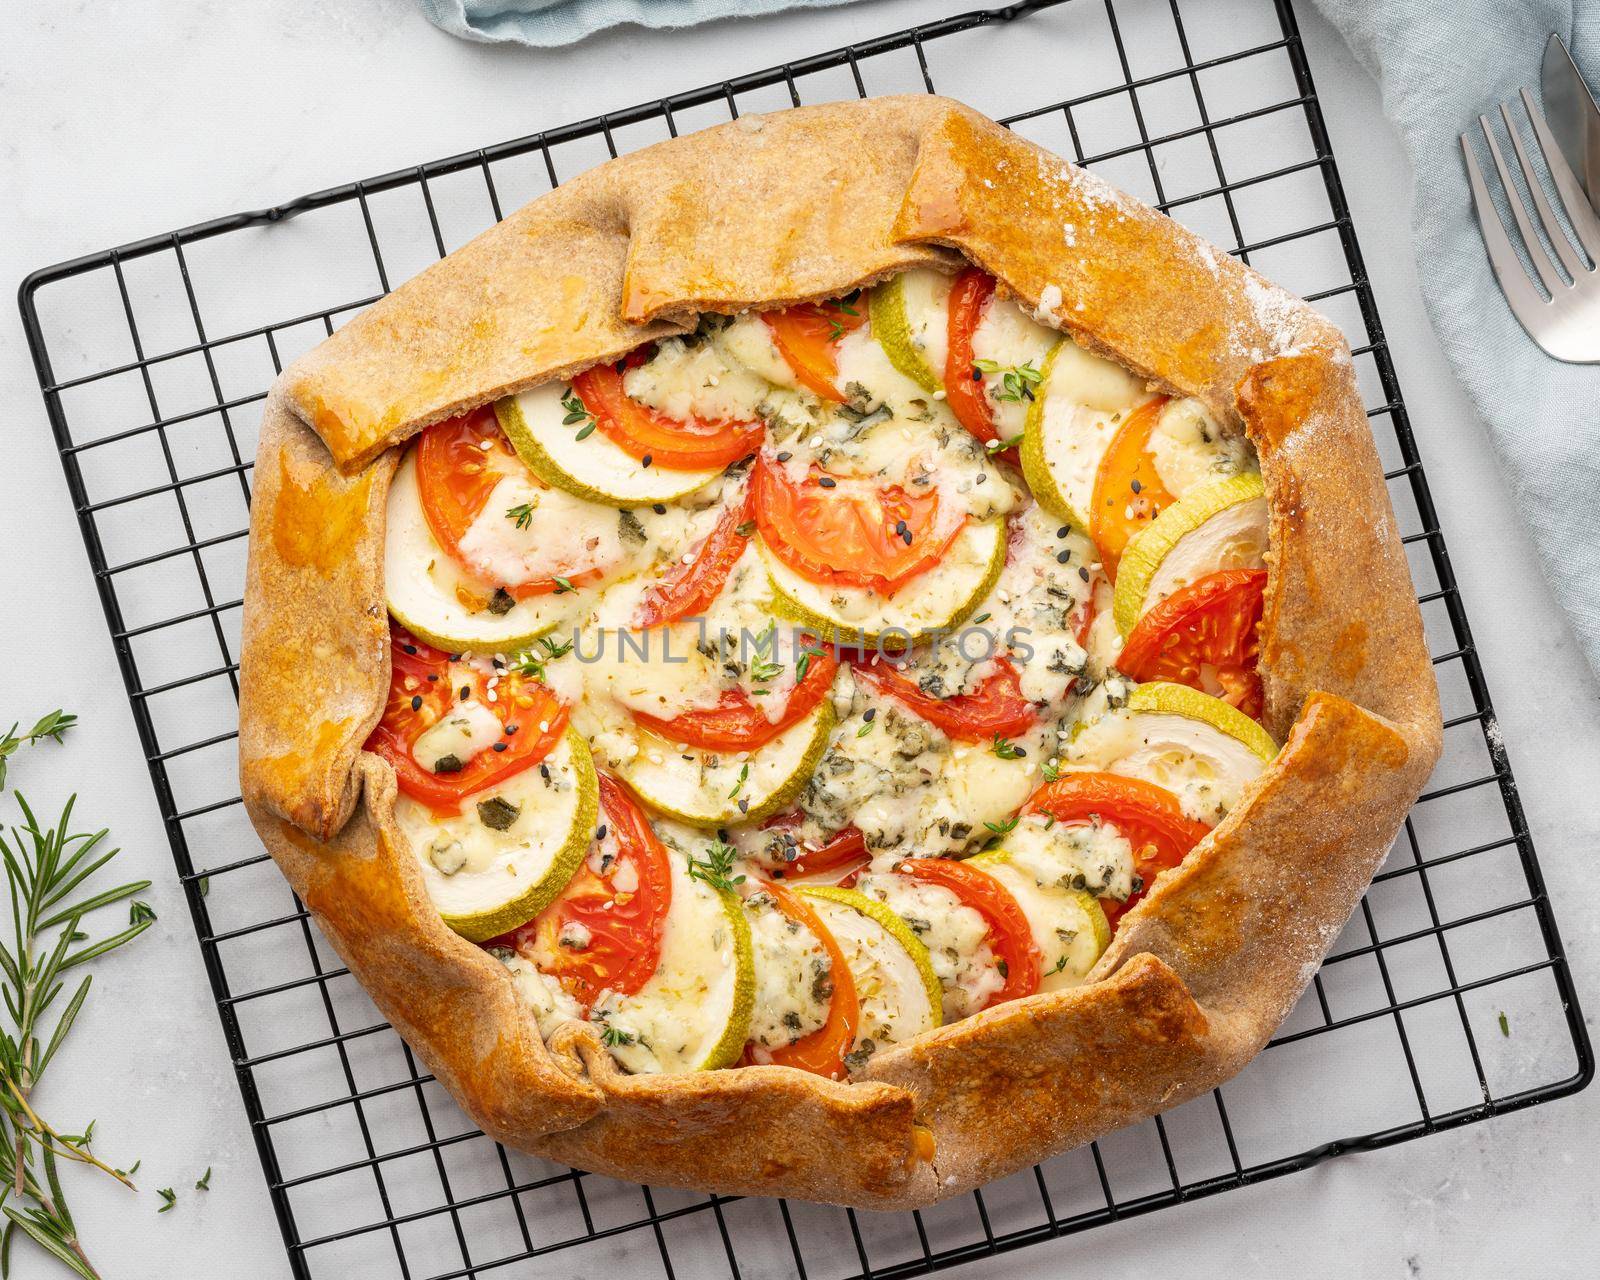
(809, 204)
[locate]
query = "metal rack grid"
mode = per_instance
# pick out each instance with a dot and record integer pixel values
(154, 358)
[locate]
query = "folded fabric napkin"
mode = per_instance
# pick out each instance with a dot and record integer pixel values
(551, 22)
(1440, 63)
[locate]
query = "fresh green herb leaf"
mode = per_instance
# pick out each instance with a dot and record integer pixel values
(1505, 1025)
(140, 911)
(865, 728)
(1051, 770)
(1006, 749)
(522, 513)
(716, 869)
(168, 1195)
(563, 585)
(204, 1181)
(1003, 827)
(51, 725)
(612, 1037)
(744, 776)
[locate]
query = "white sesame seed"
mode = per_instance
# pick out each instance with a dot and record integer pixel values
(938, 395)
(544, 726)
(816, 442)
(486, 445)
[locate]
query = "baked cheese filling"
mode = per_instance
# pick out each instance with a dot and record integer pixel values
(792, 687)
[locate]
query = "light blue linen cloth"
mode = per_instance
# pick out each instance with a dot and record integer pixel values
(544, 23)
(1440, 63)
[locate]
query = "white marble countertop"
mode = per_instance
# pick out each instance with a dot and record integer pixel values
(129, 120)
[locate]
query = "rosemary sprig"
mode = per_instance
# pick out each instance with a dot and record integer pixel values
(51, 726)
(47, 870)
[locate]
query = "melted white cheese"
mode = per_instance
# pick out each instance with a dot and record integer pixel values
(955, 934)
(794, 979)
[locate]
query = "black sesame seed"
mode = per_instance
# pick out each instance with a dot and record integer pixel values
(466, 692)
(899, 526)
(1063, 531)
(544, 772)
(646, 460)
(433, 679)
(827, 482)
(1136, 486)
(600, 832)
(1083, 573)
(410, 648)
(1063, 556)
(785, 456)
(499, 746)
(510, 729)
(983, 477)
(906, 534)
(455, 657)
(416, 702)
(744, 806)
(660, 508)
(870, 714)
(977, 374)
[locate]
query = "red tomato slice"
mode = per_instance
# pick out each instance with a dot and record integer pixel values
(1147, 816)
(995, 707)
(847, 532)
(624, 926)
(807, 336)
(1128, 493)
(687, 445)
(687, 589)
(737, 723)
(963, 381)
(1204, 635)
(822, 1052)
(456, 475)
(423, 686)
(847, 847)
(1010, 935)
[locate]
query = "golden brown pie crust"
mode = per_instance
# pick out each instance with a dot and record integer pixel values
(799, 205)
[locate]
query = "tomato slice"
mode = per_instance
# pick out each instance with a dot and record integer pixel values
(1147, 816)
(624, 925)
(687, 589)
(847, 847)
(689, 444)
(1010, 935)
(995, 707)
(1128, 493)
(1204, 635)
(424, 685)
(822, 1051)
(963, 380)
(846, 532)
(807, 336)
(737, 723)
(456, 475)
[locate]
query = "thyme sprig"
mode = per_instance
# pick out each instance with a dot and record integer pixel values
(716, 869)
(1016, 383)
(47, 871)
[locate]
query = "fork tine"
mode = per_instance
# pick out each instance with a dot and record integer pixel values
(1574, 202)
(1508, 269)
(1530, 238)
(1552, 228)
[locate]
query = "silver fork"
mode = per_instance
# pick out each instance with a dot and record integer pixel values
(1566, 324)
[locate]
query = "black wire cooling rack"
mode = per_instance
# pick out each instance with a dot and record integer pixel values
(154, 358)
